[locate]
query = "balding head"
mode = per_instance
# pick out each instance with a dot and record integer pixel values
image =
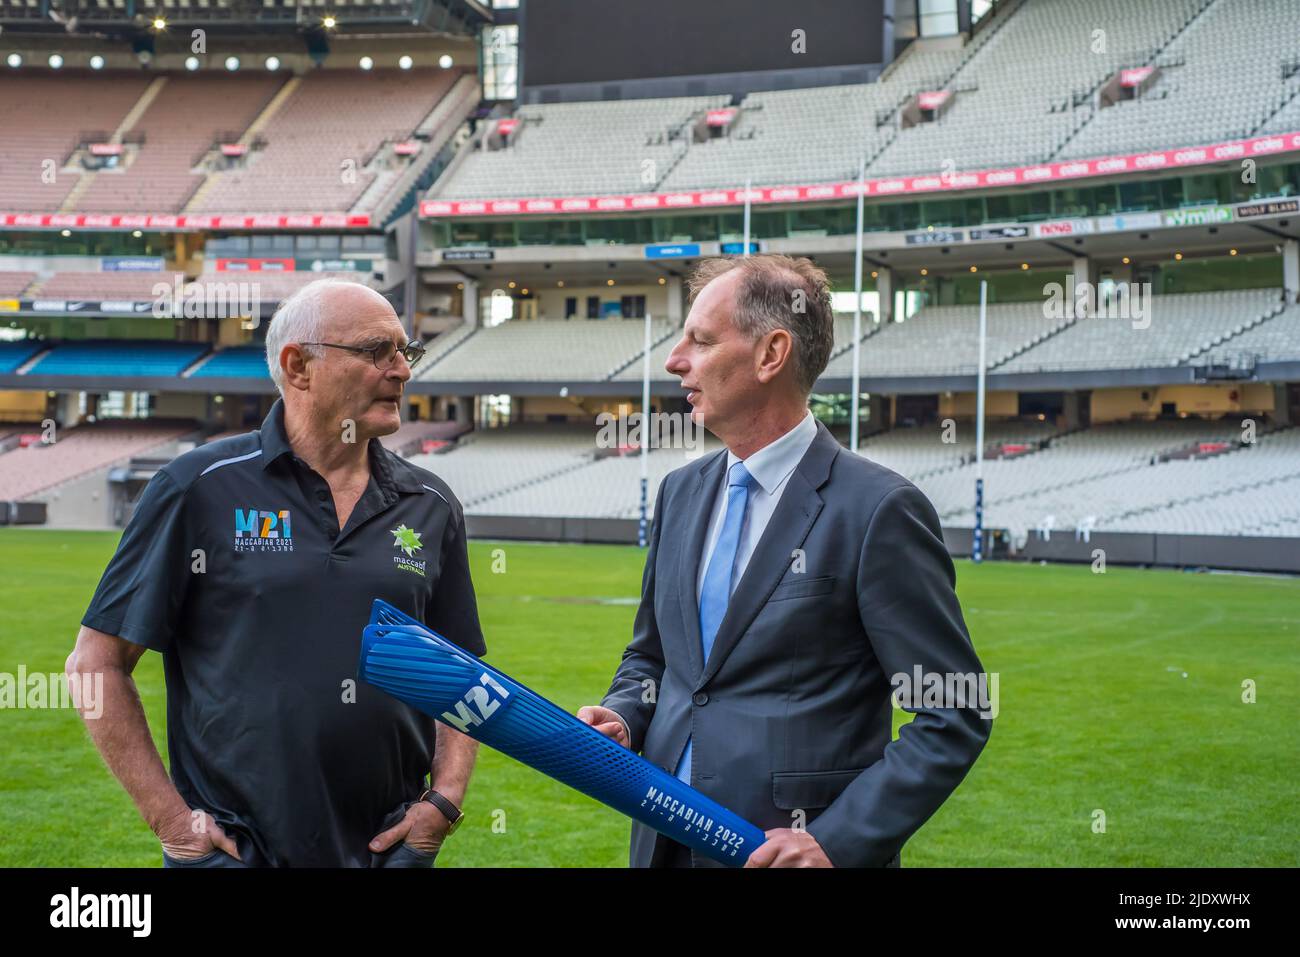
(314, 314)
(323, 350)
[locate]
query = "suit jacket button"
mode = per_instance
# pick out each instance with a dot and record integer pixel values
(700, 698)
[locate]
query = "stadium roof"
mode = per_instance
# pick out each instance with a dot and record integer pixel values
(124, 17)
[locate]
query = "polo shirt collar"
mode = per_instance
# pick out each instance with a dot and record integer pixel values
(275, 440)
(388, 468)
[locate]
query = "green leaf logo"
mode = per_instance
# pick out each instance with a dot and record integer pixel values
(407, 539)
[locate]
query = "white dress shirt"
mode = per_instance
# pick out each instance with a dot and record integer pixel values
(771, 467)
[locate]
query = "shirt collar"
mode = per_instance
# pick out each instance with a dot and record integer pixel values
(387, 468)
(772, 464)
(275, 440)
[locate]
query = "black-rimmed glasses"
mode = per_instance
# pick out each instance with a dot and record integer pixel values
(382, 353)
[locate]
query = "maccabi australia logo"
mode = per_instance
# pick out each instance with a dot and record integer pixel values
(261, 531)
(408, 540)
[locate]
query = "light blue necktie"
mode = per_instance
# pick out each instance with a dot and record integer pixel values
(716, 592)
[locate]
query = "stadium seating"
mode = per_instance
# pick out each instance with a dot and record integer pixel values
(14, 284)
(605, 488)
(574, 350)
(1277, 338)
(1222, 79)
(320, 141)
(1181, 327)
(44, 116)
(437, 349)
(178, 128)
(411, 435)
(264, 287)
(624, 146)
(240, 361)
(317, 151)
(815, 135)
(944, 340)
(1116, 476)
(77, 451)
(1002, 112)
(14, 354)
(119, 357)
(920, 451)
(1269, 508)
(131, 286)
(1024, 91)
(487, 463)
(1108, 470)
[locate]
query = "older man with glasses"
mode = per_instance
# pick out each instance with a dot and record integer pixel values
(251, 564)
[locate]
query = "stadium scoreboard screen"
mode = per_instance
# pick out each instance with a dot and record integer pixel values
(593, 41)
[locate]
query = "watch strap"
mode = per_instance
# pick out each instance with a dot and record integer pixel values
(449, 810)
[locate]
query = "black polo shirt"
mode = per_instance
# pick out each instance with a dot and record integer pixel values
(234, 567)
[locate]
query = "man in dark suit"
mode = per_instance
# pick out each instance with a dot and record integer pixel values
(789, 588)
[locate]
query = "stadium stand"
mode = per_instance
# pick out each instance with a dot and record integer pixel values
(437, 348)
(1181, 327)
(491, 462)
(239, 361)
(1124, 501)
(14, 354)
(1275, 339)
(941, 340)
(1267, 508)
(178, 128)
(919, 451)
(817, 135)
(1023, 92)
(1223, 78)
(118, 357)
(560, 148)
(1116, 481)
(1106, 469)
(411, 436)
(44, 116)
(14, 284)
(77, 451)
(660, 349)
(129, 286)
(1013, 102)
(266, 287)
(605, 488)
(321, 141)
(575, 350)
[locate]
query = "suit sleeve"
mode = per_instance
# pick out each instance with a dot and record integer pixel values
(909, 610)
(643, 660)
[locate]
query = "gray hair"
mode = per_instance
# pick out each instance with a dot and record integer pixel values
(300, 318)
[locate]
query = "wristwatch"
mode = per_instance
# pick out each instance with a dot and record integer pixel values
(449, 810)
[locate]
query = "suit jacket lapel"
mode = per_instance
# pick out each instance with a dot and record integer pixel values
(700, 510)
(786, 530)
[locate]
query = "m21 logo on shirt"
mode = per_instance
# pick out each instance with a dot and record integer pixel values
(480, 702)
(257, 530)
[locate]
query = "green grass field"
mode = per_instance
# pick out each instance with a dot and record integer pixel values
(1095, 713)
